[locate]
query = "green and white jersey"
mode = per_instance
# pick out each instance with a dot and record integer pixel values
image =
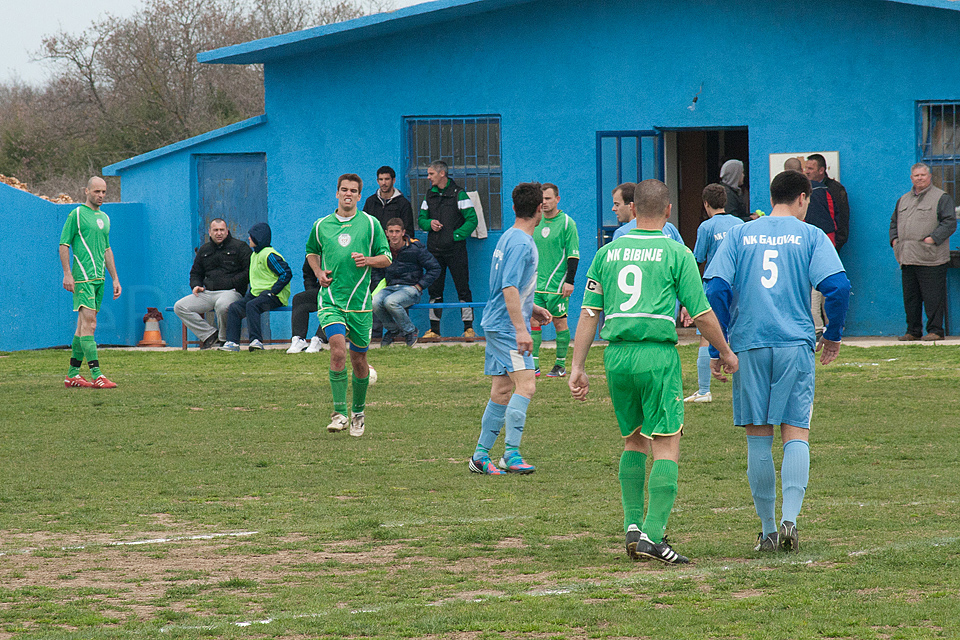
(556, 240)
(636, 280)
(334, 240)
(87, 233)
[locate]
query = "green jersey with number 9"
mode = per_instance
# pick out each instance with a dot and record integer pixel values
(636, 281)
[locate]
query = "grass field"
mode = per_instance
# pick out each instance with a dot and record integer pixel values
(203, 498)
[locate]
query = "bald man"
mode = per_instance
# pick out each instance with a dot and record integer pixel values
(793, 164)
(87, 234)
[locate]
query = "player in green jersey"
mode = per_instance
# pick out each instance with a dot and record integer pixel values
(635, 281)
(342, 249)
(87, 234)
(559, 248)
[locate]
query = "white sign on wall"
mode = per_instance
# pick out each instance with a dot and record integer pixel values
(832, 158)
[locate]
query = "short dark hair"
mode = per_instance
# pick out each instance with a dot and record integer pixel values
(352, 177)
(385, 169)
(819, 159)
(441, 166)
(787, 187)
(627, 189)
(650, 198)
(527, 196)
(394, 222)
(715, 196)
(216, 220)
(550, 185)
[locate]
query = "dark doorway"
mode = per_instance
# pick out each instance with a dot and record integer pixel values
(233, 187)
(699, 155)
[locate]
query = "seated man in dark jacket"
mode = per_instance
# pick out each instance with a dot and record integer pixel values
(219, 278)
(305, 303)
(413, 269)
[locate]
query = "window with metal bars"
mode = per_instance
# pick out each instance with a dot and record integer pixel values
(939, 141)
(471, 148)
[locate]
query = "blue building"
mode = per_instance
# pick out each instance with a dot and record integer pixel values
(581, 95)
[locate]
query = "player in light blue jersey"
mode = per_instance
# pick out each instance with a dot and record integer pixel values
(759, 286)
(710, 234)
(506, 327)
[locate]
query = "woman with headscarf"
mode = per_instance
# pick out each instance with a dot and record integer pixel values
(731, 175)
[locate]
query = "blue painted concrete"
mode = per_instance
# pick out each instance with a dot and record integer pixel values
(842, 77)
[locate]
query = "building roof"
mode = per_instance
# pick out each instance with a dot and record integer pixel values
(332, 35)
(117, 167)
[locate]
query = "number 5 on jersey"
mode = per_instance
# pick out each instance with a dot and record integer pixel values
(771, 266)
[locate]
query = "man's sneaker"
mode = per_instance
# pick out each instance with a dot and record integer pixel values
(516, 464)
(230, 345)
(699, 397)
(536, 372)
(485, 466)
(356, 424)
(789, 538)
(297, 345)
(77, 381)
(255, 345)
(388, 339)
(659, 551)
(316, 344)
(558, 371)
(210, 341)
(633, 537)
(338, 422)
(469, 334)
(411, 338)
(767, 544)
(908, 337)
(431, 335)
(102, 383)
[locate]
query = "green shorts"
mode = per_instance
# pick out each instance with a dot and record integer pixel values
(646, 387)
(88, 294)
(359, 324)
(555, 303)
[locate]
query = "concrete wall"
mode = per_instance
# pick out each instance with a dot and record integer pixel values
(842, 77)
(36, 311)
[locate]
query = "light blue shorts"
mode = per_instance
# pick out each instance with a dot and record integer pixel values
(502, 356)
(774, 386)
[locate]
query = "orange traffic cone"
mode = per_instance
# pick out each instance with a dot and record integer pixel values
(151, 331)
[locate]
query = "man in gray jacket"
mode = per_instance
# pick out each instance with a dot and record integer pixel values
(920, 227)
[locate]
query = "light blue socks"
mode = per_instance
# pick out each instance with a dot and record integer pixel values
(703, 370)
(490, 425)
(794, 475)
(515, 419)
(762, 476)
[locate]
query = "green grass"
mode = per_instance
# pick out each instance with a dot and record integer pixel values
(277, 529)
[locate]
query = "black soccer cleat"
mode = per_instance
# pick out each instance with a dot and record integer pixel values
(659, 551)
(789, 538)
(767, 544)
(633, 537)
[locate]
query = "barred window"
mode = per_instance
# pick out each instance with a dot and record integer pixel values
(939, 141)
(471, 148)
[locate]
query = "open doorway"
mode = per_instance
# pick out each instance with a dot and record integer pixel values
(692, 159)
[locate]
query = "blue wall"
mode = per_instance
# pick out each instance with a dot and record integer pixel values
(37, 311)
(559, 71)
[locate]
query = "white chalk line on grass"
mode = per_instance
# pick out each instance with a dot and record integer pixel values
(416, 523)
(133, 543)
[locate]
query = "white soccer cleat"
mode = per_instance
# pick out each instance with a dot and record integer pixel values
(698, 397)
(373, 375)
(338, 422)
(297, 345)
(356, 424)
(316, 344)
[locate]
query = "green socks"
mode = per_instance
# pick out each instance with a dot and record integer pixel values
(633, 469)
(360, 393)
(563, 343)
(76, 357)
(537, 336)
(663, 493)
(338, 388)
(89, 347)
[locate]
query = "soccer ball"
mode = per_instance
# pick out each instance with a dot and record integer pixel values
(373, 375)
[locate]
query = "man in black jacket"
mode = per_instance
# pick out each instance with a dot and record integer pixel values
(219, 277)
(388, 203)
(448, 217)
(413, 269)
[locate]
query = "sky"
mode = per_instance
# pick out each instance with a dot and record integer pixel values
(46, 17)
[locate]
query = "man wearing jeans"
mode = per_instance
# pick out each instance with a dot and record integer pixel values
(413, 269)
